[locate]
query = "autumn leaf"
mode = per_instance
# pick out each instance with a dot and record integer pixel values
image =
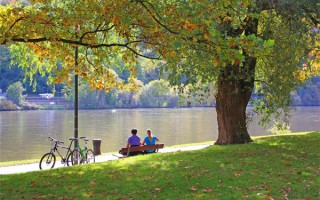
(215, 60)
(287, 164)
(83, 74)
(189, 26)
(34, 184)
(237, 174)
(207, 190)
(193, 188)
(210, 190)
(227, 19)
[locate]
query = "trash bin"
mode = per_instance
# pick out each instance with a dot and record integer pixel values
(96, 146)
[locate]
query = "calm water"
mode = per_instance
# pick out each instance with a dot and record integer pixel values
(23, 134)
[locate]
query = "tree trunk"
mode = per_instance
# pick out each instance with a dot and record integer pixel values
(232, 99)
(235, 85)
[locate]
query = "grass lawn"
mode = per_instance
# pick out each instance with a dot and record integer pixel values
(273, 167)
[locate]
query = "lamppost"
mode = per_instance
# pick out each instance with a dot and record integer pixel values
(76, 101)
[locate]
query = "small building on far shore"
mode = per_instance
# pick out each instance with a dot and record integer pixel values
(46, 95)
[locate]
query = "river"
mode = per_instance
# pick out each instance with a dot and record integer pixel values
(24, 134)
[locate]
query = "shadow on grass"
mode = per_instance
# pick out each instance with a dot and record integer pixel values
(278, 167)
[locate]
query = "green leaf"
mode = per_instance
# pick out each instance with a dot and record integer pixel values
(269, 43)
(177, 44)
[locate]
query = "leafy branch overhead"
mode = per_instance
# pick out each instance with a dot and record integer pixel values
(133, 28)
(103, 31)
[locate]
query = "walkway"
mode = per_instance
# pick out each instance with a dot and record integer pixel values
(101, 158)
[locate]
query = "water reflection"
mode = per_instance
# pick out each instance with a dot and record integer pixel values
(23, 134)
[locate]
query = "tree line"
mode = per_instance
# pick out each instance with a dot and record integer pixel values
(152, 92)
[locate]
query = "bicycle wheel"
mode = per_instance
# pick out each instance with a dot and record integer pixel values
(69, 159)
(90, 158)
(74, 158)
(47, 161)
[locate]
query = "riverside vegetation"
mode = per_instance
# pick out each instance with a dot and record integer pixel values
(273, 167)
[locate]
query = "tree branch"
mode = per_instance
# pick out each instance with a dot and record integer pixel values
(158, 21)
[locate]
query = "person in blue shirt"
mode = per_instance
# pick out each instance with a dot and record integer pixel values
(150, 140)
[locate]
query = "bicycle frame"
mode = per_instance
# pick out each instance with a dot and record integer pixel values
(55, 149)
(82, 152)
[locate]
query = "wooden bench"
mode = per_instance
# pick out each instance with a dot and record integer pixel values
(126, 151)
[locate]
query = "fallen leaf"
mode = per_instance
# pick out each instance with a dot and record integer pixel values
(210, 190)
(207, 190)
(193, 188)
(287, 164)
(237, 174)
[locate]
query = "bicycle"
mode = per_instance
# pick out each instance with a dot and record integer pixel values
(48, 160)
(82, 155)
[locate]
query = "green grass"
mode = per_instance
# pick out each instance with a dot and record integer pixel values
(273, 167)
(19, 162)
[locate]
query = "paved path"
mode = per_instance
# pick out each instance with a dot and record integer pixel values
(101, 158)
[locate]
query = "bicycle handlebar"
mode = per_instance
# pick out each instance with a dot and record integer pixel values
(55, 140)
(60, 142)
(83, 138)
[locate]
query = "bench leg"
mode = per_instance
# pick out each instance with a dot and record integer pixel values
(128, 153)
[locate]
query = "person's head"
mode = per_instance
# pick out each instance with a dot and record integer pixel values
(134, 131)
(149, 132)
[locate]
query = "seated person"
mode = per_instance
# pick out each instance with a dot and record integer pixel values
(150, 140)
(134, 140)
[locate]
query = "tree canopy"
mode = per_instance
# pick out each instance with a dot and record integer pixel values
(106, 32)
(240, 45)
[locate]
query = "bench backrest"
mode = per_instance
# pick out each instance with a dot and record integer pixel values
(126, 151)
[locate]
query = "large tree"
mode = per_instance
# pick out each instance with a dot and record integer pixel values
(235, 44)
(270, 46)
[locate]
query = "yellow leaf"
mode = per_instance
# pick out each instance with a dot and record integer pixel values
(227, 19)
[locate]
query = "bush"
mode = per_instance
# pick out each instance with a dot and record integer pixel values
(29, 106)
(6, 105)
(14, 93)
(158, 93)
